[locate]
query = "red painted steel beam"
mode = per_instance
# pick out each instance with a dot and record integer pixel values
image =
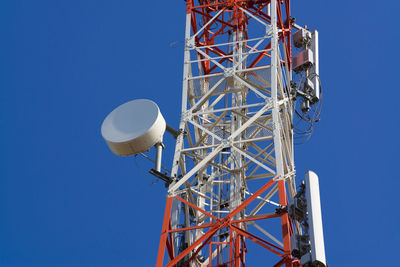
(198, 250)
(218, 225)
(164, 232)
(197, 208)
(250, 199)
(192, 228)
(256, 240)
(280, 263)
(210, 17)
(259, 217)
(256, 237)
(285, 221)
(196, 243)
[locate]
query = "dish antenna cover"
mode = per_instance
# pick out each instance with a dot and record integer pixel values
(133, 127)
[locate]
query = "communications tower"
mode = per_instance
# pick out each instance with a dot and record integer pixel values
(233, 172)
(247, 95)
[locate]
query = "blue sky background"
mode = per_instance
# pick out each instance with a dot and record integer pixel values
(66, 200)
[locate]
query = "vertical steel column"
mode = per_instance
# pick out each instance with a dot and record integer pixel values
(276, 117)
(186, 66)
(175, 212)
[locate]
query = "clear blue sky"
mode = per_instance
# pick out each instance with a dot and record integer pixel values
(65, 200)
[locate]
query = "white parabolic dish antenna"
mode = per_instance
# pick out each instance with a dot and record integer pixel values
(133, 127)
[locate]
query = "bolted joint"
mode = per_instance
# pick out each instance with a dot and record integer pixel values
(186, 115)
(228, 72)
(189, 43)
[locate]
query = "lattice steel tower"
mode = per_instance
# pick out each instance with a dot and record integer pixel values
(233, 170)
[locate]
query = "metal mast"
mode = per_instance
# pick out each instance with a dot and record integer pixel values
(233, 169)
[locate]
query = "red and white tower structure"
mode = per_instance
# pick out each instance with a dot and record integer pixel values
(233, 170)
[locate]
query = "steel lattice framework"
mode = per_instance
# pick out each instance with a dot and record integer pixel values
(233, 166)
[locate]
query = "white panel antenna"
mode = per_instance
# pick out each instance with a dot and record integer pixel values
(315, 220)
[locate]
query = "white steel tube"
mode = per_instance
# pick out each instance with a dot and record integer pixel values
(274, 93)
(175, 211)
(159, 148)
(179, 140)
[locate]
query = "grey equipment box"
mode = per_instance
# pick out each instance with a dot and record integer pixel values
(303, 60)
